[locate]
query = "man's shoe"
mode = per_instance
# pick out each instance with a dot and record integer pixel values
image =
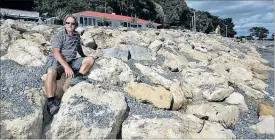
(76, 80)
(53, 107)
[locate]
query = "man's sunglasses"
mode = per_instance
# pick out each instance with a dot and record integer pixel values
(72, 23)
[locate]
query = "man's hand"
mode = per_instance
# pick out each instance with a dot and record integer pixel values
(69, 72)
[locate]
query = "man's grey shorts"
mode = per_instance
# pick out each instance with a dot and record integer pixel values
(74, 64)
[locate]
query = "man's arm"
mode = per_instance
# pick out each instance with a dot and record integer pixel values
(79, 48)
(58, 56)
(80, 51)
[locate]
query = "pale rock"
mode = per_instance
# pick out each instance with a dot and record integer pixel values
(237, 99)
(183, 126)
(138, 52)
(43, 29)
(225, 115)
(158, 96)
(265, 109)
(250, 91)
(155, 46)
(218, 93)
(179, 99)
(36, 37)
(240, 75)
(88, 112)
(154, 76)
(175, 62)
(213, 130)
(88, 40)
(8, 35)
(111, 69)
(80, 30)
(265, 126)
(257, 84)
(206, 83)
(25, 53)
(15, 123)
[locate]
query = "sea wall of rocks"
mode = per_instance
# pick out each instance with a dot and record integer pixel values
(146, 83)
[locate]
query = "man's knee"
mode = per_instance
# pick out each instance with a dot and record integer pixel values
(90, 60)
(52, 72)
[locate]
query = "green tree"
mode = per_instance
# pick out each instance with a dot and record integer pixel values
(60, 14)
(259, 32)
(166, 12)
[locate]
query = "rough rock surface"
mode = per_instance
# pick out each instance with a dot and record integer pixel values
(201, 74)
(88, 112)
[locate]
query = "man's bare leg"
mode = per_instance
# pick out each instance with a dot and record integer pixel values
(50, 83)
(50, 87)
(87, 63)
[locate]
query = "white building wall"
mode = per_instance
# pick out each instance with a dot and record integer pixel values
(94, 22)
(19, 12)
(116, 23)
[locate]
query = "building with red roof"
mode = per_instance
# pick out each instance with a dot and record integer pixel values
(91, 18)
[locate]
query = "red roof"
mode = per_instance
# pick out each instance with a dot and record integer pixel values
(111, 16)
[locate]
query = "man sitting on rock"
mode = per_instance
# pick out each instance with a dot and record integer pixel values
(66, 44)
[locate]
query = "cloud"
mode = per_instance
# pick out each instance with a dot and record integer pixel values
(245, 14)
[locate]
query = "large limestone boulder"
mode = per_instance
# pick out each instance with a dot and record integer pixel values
(43, 29)
(257, 84)
(26, 53)
(100, 38)
(265, 109)
(36, 37)
(155, 46)
(237, 99)
(149, 36)
(205, 83)
(20, 26)
(179, 96)
(154, 76)
(158, 96)
(132, 38)
(138, 52)
(8, 35)
(115, 52)
(174, 62)
(22, 114)
(111, 70)
(224, 114)
(198, 55)
(88, 112)
(265, 126)
(250, 91)
(239, 75)
(88, 40)
(213, 130)
(136, 127)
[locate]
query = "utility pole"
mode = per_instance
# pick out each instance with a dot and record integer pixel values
(105, 6)
(225, 30)
(192, 24)
(195, 21)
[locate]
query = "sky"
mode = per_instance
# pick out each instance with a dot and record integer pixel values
(244, 13)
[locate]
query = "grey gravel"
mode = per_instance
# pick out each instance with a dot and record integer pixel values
(14, 78)
(242, 130)
(146, 110)
(90, 114)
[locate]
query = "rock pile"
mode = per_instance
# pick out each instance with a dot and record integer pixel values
(153, 83)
